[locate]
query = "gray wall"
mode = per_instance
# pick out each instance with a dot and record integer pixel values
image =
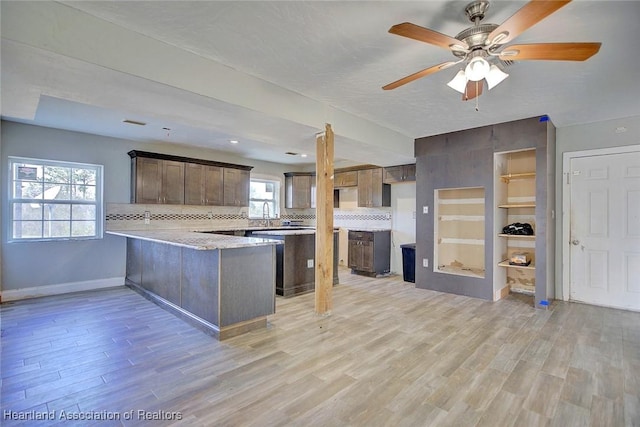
(34, 264)
(465, 159)
(582, 137)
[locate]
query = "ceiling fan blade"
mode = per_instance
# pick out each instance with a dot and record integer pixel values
(473, 90)
(419, 74)
(529, 15)
(416, 32)
(550, 51)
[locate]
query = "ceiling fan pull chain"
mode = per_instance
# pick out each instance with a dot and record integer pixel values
(477, 98)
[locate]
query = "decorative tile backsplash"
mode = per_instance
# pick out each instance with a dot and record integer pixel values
(362, 218)
(124, 216)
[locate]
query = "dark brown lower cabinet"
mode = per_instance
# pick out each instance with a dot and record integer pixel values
(369, 252)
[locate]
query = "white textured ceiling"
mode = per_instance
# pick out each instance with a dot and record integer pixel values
(271, 74)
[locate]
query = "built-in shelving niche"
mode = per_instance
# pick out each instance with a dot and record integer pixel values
(459, 231)
(515, 195)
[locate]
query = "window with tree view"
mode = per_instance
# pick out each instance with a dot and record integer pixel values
(264, 198)
(52, 200)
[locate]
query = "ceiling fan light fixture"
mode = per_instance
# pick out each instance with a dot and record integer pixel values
(476, 69)
(459, 82)
(495, 76)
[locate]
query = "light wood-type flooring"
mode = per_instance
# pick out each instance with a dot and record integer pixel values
(388, 355)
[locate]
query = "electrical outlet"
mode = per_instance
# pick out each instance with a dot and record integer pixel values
(425, 209)
(210, 215)
(425, 262)
(147, 217)
(310, 263)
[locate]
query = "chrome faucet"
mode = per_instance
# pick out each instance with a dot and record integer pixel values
(265, 214)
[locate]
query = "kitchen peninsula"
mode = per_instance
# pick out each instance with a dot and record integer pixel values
(225, 285)
(295, 262)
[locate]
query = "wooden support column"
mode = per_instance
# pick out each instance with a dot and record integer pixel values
(324, 221)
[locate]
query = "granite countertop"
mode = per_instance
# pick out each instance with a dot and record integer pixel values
(367, 229)
(285, 232)
(194, 240)
(256, 228)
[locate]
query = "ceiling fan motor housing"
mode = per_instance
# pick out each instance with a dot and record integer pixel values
(475, 37)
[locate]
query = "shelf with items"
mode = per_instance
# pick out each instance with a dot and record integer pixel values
(505, 263)
(518, 236)
(459, 231)
(515, 195)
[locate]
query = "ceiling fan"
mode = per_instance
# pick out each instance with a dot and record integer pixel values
(482, 46)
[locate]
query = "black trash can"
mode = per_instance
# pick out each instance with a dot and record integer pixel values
(409, 262)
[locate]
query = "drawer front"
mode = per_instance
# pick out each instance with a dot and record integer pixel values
(361, 235)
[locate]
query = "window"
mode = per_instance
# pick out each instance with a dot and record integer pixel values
(264, 198)
(51, 200)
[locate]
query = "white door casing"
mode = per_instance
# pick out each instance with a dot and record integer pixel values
(603, 241)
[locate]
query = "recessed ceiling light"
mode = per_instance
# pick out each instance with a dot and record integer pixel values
(303, 155)
(133, 122)
(233, 141)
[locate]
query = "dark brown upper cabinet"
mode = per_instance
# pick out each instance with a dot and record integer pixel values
(400, 173)
(236, 187)
(372, 192)
(167, 179)
(157, 181)
(203, 185)
(300, 190)
(345, 179)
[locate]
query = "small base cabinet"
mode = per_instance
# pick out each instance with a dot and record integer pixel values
(369, 252)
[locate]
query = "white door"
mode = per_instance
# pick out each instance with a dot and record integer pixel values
(605, 230)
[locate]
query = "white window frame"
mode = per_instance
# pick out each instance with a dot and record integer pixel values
(13, 200)
(276, 197)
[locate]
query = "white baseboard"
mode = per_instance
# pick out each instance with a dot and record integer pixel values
(62, 288)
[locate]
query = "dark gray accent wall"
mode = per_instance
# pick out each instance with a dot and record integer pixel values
(465, 159)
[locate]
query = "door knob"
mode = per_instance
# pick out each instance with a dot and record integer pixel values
(575, 242)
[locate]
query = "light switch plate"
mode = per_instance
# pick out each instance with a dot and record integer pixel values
(425, 209)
